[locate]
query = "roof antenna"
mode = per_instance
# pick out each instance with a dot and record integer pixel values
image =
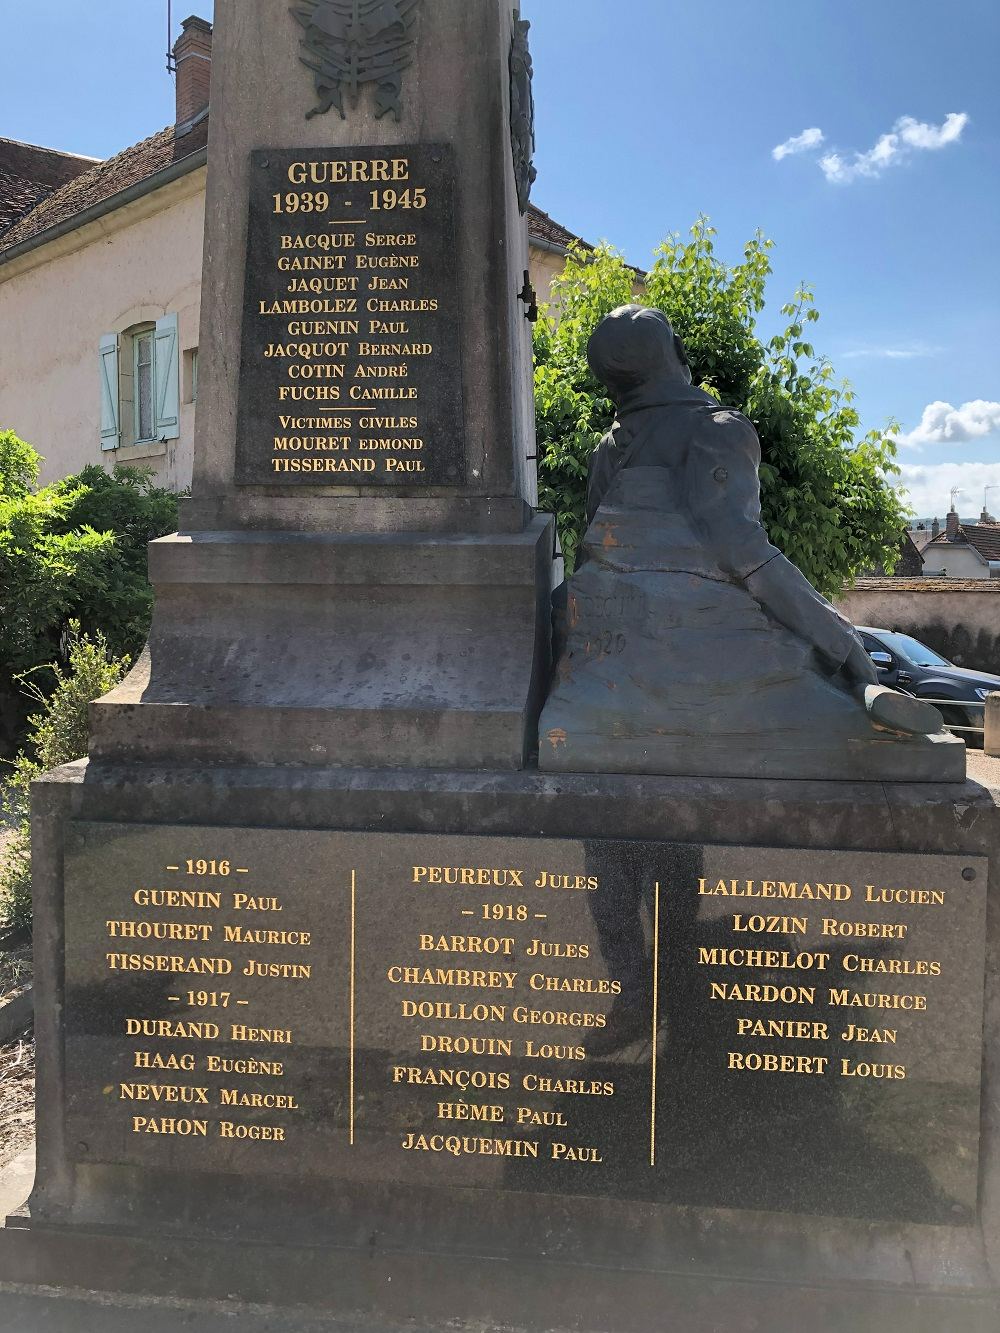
(171, 62)
(956, 491)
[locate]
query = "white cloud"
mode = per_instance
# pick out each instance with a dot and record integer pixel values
(907, 136)
(799, 143)
(835, 168)
(918, 135)
(929, 488)
(942, 423)
(905, 352)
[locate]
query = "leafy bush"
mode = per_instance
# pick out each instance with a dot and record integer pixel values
(827, 498)
(58, 734)
(73, 550)
(19, 465)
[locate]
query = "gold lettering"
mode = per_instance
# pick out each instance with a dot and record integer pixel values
(197, 1129)
(229, 1129)
(771, 959)
(565, 1152)
(754, 1063)
(134, 962)
(905, 897)
(199, 900)
(350, 171)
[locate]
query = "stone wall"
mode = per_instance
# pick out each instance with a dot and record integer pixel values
(960, 618)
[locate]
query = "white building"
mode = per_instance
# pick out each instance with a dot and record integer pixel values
(965, 550)
(100, 289)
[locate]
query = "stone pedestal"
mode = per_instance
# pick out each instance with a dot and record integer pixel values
(399, 650)
(524, 1260)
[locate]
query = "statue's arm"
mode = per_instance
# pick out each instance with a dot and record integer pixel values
(725, 500)
(600, 476)
(724, 494)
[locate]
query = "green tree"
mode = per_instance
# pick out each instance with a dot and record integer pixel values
(58, 734)
(827, 496)
(73, 550)
(19, 465)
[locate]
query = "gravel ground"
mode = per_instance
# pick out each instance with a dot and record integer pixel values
(15, 970)
(984, 768)
(17, 1098)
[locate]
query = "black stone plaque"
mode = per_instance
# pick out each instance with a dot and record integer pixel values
(716, 1026)
(351, 371)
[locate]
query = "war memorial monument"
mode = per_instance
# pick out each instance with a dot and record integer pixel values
(418, 949)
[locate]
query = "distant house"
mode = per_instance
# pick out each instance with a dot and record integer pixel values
(29, 175)
(922, 534)
(965, 550)
(100, 289)
(911, 562)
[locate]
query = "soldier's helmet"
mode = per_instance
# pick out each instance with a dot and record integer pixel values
(634, 345)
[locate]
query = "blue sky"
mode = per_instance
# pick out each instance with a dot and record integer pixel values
(651, 112)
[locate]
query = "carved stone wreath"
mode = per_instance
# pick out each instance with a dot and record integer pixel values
(350, 43)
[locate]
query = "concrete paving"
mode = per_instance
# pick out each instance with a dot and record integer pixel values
(38, 1310)
(687, 1307)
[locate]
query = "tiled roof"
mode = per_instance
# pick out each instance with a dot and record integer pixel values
(100, 181)
(928, 584)
(911, 562)
(47, 166)
(28, 174)
(543, 228)
(17, 197)
(106, 179)
(921, 537)
(982, 537)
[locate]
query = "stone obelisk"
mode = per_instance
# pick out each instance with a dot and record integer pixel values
(360, 577)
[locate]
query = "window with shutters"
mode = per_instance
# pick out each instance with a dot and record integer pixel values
(140, 385)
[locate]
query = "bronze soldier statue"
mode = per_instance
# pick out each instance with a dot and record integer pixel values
(692, 645)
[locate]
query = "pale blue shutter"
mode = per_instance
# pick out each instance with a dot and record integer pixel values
(111, 424)
(166, 378)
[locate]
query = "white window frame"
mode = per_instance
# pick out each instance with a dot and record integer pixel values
(140, 337)
(190, 375)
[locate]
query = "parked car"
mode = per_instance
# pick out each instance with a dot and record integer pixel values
(907, 664)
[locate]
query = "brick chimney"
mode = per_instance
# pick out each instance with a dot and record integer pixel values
(935, 529)
(952, 528)
(193, 59)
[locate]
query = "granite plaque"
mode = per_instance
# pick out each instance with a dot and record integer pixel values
(351, 369)
(730, 1027)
